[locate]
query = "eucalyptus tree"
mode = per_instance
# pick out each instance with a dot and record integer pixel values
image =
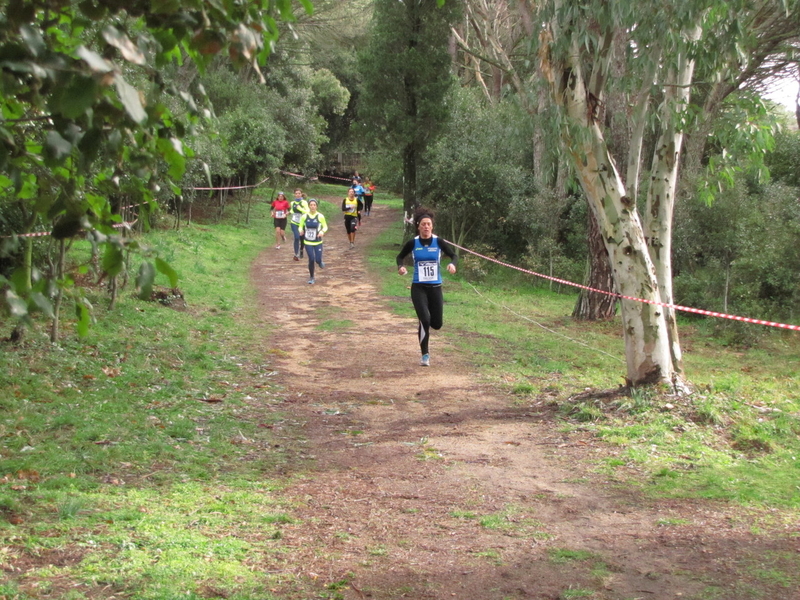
(662, 44)
(84, 114)
(494, 35)
(494, 38)
(731, 82)
(406, 70)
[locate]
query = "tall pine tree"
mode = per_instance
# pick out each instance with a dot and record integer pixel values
(406, 69)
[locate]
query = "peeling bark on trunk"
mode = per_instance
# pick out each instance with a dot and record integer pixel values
(594, 306)
(647, 353)
(539, 144)
(645, 331)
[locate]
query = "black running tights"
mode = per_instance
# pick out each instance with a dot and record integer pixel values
(429, 304)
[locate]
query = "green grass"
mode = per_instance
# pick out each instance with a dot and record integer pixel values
(335, 325)
(513, 521)
(495, 521)
(576, 593)
(463, 514)
(139, 446)
(491, 555)
(330, 321)
(429, 453)
(563, 555)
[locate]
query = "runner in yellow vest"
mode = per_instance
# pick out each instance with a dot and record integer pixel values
(351, 207)
(297, 208)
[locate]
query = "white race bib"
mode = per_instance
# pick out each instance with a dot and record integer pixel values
(428, 271)
(311, 234)
(280, 214)
(296, 217)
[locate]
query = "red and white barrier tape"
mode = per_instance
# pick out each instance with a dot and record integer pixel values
(340, 178)
(22, 235)
(46, 233)
(697, 311)
(238, 187)
(234, 187)
(538, 324)
(298, 175)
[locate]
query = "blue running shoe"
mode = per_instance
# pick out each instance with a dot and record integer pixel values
(425, 361)
(311, 281)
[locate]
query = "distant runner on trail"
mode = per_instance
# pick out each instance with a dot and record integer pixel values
(351, 207)
(368, 196)
(426, 287)
(280, 212)
(313, 227)
(360, 191)
(298, 208)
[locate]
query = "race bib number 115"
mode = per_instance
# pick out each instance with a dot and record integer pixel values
(428, 271)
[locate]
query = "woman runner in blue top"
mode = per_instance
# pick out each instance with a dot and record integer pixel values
(426, 287)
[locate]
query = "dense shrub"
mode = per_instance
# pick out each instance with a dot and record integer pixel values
(742, 254)
(479, 176)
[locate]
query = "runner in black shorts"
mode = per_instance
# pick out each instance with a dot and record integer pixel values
(351, 207)
(369, 195)
(297, 208)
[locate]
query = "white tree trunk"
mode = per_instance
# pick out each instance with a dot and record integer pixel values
(646, 337)
(663, 183)
(639, 120)
(658, 227)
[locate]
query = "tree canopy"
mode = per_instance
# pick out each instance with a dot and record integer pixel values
(87, 113)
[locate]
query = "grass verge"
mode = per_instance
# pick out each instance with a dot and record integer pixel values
(145, 459)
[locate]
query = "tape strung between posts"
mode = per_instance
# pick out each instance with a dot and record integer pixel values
(689, 309)
(238, 187)
(45, 233)
(235, 187)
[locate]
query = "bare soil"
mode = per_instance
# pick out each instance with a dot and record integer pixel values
(429, 483)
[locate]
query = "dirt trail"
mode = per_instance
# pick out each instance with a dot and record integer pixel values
(430, 484)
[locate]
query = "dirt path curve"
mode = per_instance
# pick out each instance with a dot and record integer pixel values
(429, 484)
